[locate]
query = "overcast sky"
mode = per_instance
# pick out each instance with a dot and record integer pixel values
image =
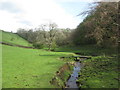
(16, 14)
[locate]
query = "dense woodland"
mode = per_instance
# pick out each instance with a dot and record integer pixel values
(100, 27)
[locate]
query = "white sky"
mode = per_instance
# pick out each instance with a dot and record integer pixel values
(16, 14)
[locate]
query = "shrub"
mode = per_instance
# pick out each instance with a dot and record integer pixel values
(38, 46)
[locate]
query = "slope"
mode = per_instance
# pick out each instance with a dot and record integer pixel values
(12, 38)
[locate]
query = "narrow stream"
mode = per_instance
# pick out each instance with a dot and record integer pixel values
(71, 83)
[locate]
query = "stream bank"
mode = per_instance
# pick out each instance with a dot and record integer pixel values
(71, 83)
(100, 72)
(67, 75)
(61, 76)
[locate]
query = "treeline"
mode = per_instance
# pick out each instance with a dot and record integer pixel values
(47, 35)
(100, 27)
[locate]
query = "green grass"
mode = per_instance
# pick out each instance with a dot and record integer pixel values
(13, 38)
(100, 72)
(29, 68)
(88, 50)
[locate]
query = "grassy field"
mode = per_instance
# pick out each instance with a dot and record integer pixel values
(29, 68)
(12, 38)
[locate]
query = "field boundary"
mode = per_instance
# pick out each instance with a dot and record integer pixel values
(15, 45)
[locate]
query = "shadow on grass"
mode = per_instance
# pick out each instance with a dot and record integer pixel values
(91, 50)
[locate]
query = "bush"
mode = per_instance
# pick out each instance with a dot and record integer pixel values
(38, 46)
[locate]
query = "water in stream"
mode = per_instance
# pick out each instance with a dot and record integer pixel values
(71, 83)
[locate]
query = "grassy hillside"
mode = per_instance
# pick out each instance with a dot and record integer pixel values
(12, 38)
(29, 68)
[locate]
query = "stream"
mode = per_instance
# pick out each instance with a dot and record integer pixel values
(71, 83)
